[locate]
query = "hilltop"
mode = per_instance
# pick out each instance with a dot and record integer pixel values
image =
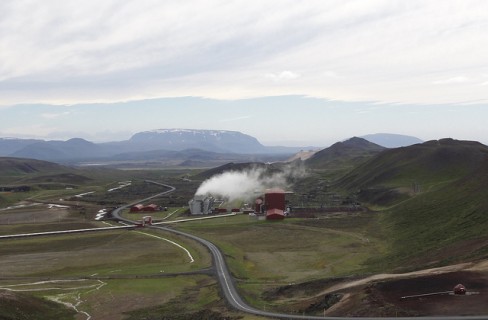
(390, 140)
(343, 156)
(409, 170)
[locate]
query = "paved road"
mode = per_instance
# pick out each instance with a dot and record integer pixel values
(116, 211)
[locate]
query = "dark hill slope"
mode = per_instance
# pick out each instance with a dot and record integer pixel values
(444, 226)
(18, 166)
(350, 152)
(415, 168)
(26, 171)
(21, 306)
(437, 200)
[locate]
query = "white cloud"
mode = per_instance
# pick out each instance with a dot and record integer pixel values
(54, 115)
(31, 131)
(235, 119)
(283, 75)
(459, 79)
(383, 50)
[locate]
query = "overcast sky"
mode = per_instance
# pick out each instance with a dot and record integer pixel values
(288, 72)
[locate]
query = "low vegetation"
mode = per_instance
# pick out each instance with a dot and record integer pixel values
(414, 208)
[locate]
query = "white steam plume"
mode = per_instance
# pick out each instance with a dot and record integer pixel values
(243, 185)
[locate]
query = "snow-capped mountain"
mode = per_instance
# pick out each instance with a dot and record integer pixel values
(211, 140)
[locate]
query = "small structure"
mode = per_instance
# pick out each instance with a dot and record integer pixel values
(136, 208)
(459, 289)
(146, 220)
(150, 208)
(142, 208)
(200, 205)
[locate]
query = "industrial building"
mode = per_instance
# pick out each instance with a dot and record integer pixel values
(201, 205)
(137, 208)
(272, 204)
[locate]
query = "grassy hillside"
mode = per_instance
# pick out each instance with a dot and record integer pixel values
(19, 307)
(434, 198)
(396, 174)
(343, 156)
(447, 225)
(18, 166)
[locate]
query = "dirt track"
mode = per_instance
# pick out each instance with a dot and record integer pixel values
(381, 295)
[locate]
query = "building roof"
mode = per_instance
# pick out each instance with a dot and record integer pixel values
(274, 190)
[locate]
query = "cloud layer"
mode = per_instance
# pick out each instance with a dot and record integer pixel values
(376, 50)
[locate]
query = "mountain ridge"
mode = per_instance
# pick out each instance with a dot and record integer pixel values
(354, 151)
(392, 140)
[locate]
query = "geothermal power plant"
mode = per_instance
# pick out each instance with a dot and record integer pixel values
(271, 205)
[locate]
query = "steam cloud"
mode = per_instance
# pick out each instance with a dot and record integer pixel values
(243, 185)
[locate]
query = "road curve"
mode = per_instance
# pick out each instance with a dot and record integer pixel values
(116, 211)
(230, 292)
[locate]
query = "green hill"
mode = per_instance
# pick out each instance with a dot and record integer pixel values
(396, 174)
(443, 226)
(435, 198)
(343, 156)
(26, 171)
(19, 166)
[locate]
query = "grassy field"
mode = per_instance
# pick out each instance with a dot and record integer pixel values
(110, 253)
(428, 215)
(120, 298)
(263, 254)
(84, 269)
(105, 274)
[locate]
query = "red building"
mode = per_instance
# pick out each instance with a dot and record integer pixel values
(150, 207)
(274, 201)
(142, 208)
(137, 208)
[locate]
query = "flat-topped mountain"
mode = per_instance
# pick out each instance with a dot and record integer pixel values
(210, 140)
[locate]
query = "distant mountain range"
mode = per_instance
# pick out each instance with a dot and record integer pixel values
(170, 145)
(390, 140)
(167, 144)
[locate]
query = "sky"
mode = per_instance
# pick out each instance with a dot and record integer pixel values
(294, 73)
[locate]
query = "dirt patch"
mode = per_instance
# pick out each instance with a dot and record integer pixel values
(473, 303)
(410, 297)
(381, 295)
